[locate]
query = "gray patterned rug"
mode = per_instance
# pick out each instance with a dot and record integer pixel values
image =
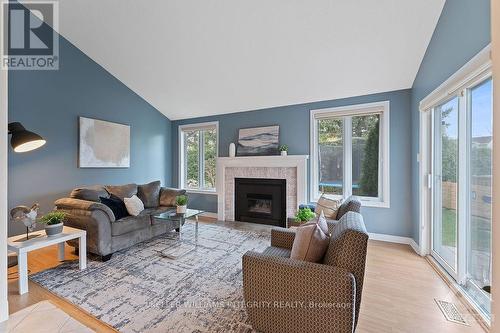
(139, 291)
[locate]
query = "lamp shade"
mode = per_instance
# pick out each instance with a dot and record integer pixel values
(23, 140)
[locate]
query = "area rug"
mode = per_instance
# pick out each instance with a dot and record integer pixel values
(139, 291)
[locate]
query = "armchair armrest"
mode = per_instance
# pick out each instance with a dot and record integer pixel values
(282, 237)
(287, 295)
(71, 204)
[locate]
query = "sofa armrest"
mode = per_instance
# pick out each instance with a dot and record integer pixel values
(287, 295)
(282, 237)
(84, 205)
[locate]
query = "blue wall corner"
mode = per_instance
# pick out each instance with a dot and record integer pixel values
(50, 102)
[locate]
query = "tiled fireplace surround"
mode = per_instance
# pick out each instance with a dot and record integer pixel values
(292, 168)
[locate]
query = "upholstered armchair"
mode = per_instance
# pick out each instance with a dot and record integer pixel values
(287, 295)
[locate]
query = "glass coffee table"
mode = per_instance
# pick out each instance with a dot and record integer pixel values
(178, 246)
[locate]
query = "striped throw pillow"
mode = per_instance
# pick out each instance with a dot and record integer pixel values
(328, 206)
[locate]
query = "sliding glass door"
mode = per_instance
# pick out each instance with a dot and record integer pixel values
(445, 184)
(478, 277)
(461, 197)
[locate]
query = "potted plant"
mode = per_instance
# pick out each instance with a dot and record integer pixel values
(53, 223)
(181, 202)
(303, 215)
(283, 149)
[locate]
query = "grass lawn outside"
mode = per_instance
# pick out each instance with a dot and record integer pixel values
(480, 231)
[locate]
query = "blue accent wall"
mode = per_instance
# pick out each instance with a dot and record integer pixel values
(462, 31)
(294, 131)
(50, 102)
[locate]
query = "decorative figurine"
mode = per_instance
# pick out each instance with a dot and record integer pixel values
(27, 216)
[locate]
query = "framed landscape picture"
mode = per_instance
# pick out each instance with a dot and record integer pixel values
(103, 144)
(258, 141)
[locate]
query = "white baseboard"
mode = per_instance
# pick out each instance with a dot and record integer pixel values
(395, 239)
(4, 311)
(415, 247)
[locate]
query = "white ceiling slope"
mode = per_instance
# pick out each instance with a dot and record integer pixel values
(196, 58)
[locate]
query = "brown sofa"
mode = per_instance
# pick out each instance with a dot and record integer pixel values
(105, 234)
(287, 295)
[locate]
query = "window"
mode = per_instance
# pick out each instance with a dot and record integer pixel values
(350, 153)
(198, 154)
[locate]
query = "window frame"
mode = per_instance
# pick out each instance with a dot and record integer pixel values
(347, 112)
(201, 158)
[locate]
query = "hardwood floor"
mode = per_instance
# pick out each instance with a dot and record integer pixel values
(398, 295)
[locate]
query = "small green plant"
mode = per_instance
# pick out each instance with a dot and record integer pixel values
(304, 215)
(53, 218)
(283, 148)
(181, 200)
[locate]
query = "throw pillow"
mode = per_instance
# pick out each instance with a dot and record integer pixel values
(311, 242)
(168, 195)
(134, 205)
(89, 193)
(116, 205)
(328, 206)
(149, 194)
(122, 191)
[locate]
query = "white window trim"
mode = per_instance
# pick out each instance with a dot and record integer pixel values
(195, 126)
(383, 108)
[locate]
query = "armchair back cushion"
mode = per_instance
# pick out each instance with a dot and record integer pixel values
(149, 194)
(122, 191)
(347, 250)
(89, 193)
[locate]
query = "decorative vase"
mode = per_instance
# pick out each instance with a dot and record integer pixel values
(53, 229)
(284, 153)
(181, 209)
(232, 150)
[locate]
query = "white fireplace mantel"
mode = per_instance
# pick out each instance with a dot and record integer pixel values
(299, 162)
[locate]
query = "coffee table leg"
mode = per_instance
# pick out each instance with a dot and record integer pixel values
(23, 272)
(82, 251)
(60, 251)
(196, 228)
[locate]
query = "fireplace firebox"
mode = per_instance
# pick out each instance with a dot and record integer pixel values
(260, 200)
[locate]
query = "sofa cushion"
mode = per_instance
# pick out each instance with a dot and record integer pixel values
(116, 205)
(130, 223)
(122, 191)
(168, 195)
(89, 193)
(149, 194)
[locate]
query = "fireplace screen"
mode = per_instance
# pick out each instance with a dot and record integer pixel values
(259, 203)
(260, 200)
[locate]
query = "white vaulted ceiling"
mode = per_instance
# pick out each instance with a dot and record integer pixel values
(196, 58)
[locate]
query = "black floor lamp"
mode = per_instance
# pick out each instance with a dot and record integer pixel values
(23, 140)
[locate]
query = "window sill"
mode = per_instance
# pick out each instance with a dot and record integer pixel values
(212, 192)
(376, 204)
